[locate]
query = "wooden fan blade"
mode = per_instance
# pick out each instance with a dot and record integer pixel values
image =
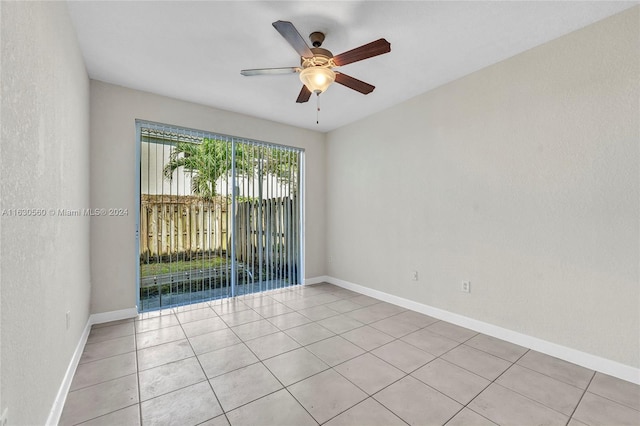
(304, 95)
(354, 83)
(366, 51)
(269, 71)
(289, 32)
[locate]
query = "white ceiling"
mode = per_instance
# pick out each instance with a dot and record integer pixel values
(195, 50)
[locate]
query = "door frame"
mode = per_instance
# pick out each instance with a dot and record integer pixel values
(139, 124)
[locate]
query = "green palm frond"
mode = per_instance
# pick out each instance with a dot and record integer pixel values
(206, 162)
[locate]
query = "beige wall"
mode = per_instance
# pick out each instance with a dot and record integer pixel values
(114, 110)
(522, 178)
(44, 159)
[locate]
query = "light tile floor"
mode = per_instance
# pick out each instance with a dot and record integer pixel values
(320, 354)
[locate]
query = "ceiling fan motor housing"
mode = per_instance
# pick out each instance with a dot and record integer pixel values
(316, 38)
(321, 58)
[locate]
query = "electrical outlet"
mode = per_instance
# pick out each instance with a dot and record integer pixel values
(466, 287)
(4, 419)
(68, 322)
(414, 276)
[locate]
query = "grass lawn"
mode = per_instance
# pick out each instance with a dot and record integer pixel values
(149, 269)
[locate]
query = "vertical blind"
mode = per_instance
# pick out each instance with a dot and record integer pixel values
(219, 216)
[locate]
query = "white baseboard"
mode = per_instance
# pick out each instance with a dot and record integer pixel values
(113, 316)
(316, 280)
(592, 362)
(61, 397)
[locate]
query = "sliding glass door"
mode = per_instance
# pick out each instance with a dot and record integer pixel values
(219, 216)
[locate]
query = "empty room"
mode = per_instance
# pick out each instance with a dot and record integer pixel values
(320, 213)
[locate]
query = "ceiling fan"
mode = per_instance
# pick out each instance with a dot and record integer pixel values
(316, 64)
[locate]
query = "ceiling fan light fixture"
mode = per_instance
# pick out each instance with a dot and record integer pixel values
(317, 79)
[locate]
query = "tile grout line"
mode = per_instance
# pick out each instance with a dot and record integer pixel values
(440, 357)
(492, 382)
(135, 343)
(109, 380)
(405, 374)
(366, 393)
(206, 378)
(550, 377)
(581, 397)
(304, 347)
(286, 388)
(270, 372)
(260, 361)
(613, 400)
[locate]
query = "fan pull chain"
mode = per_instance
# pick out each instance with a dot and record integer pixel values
(318, 108)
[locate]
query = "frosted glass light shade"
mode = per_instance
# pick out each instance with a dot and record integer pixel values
(317, 79)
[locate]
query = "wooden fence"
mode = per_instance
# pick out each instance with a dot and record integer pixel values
(182, 224)
(267, 230)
